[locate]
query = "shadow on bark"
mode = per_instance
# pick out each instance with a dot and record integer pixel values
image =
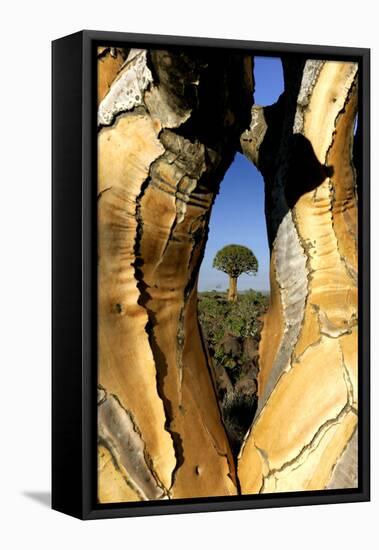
(287, 160)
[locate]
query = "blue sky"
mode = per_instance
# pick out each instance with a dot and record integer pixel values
(238, 212)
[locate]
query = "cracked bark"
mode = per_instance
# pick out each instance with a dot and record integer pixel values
(169, 128)
(119, 434)
(307, 406)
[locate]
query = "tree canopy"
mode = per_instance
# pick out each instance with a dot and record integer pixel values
(235, 259)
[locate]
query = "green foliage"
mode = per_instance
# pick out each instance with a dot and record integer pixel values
(220, 318)
(235, 259)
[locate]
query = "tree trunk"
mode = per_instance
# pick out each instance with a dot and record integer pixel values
(232, 293)
(304, 433)
(169, 128)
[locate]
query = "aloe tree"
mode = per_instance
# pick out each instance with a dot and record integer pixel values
(235, 259)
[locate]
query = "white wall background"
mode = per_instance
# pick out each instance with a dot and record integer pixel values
(27, 29)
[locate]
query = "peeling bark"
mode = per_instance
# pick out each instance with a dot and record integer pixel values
(110, 60)
(120, 435)
(307, 406)
(169, 128)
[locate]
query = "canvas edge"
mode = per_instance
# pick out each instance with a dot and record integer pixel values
(84, 376)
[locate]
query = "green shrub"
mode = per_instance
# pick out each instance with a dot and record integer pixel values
(240, 319)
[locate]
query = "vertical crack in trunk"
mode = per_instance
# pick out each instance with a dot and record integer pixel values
(170, 123)
(170, 128)
(149, 328)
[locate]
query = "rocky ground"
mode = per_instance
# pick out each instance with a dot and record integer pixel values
(232, 333)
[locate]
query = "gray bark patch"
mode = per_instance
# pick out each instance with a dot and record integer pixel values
(120, 435)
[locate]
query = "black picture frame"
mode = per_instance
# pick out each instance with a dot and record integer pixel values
(74, 332)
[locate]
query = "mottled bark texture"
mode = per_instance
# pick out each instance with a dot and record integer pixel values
(169, 126)
(304, 433)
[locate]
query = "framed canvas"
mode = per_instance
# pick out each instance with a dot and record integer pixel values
(201, 363)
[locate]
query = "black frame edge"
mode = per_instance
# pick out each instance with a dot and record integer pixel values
(364, 286)
(67, 95)
(182, 41)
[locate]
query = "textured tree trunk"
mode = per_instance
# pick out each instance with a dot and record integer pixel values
(304, 433)
(169, 128)
(232, 293)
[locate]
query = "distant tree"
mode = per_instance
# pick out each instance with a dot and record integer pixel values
(235, 259)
